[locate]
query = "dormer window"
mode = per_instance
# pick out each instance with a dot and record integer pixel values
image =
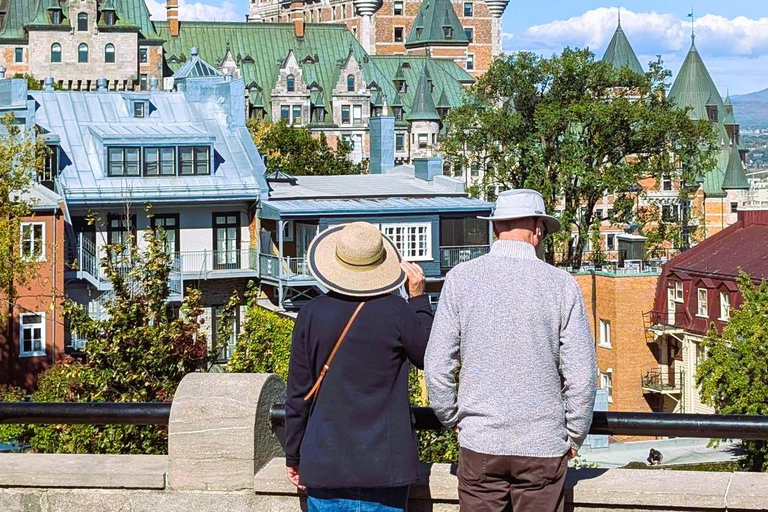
(398, 113)
(56, 17)
(712, 113)
(82, 22)
(418, 31)
(401, 86)
(351, 83)
(139, 109)
(448, 33)
(109, 18)
(290, 83)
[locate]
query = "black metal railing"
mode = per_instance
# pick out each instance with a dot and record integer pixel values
(603, 423)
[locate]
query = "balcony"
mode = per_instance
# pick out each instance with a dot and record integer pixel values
(208, 264)
(286, 269)
(452, 256)
(663, 380)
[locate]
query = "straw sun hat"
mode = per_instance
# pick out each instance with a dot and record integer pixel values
(355, 259)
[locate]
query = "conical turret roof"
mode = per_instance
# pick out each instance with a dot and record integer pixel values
(694, 86)
(436, 23)
(620, 54)
(423, 106)
(735, 175)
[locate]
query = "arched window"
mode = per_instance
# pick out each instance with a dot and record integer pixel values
(82, 22)
(109, 53)
(291, 83)
(351, 83)
(82, 53)
(55, 52)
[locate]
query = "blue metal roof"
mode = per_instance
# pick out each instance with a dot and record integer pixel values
(298, 208)
(208, 111)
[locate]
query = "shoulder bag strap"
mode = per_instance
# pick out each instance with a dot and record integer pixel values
(316, 387)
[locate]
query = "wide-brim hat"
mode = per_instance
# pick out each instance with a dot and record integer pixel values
(355, 259)
(522, 203)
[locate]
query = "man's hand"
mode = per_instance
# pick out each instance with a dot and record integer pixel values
(572, 453)
(417, 282)
(293, 477)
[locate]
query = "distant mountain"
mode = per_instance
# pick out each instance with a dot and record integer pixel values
(752, 109)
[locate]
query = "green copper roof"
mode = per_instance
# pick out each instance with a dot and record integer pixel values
(443, 102)
(423, 106)
(730, 117)
(735, 176)
(436, 23)
(695, 88)
(620, 53)
(43, 14)
(33, 13)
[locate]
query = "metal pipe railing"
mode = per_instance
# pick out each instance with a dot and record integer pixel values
(603, 423)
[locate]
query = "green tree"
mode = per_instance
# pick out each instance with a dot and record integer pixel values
(137, 351)
(732, 376)
(264, 343)
(575, 128)
(295, 151)
(22, 155)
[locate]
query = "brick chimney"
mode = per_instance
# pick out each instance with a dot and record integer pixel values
(297, 18)
(172, 9)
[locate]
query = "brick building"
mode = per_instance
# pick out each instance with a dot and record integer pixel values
(696, 290)
(33, 337)
(395, 27)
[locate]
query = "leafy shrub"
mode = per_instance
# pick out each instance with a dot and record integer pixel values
(10, 434)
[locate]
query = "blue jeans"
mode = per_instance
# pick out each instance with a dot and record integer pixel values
(356, 499)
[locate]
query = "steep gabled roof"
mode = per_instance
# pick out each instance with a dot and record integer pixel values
(428, 28)
(620, 53)
(423, 106)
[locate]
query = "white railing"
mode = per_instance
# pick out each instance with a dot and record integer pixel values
(286, 268)
(207, 261)
(452, 256)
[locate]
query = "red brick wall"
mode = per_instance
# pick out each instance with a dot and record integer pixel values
(41, 293)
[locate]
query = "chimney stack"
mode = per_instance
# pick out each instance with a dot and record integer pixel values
(101, 84)
(172, 9)
(48, 83)
(297, 18)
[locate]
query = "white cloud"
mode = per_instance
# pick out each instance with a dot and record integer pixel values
(198, 11)
(650, 33)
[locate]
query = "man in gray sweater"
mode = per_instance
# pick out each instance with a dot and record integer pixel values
(523, 397)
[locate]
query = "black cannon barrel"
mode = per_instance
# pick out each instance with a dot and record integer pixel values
(85, 413)
(627, 423)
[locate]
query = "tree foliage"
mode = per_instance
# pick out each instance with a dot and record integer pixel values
(295, 151)
(137, 352)
(22, 155)
(576, 128)
(264, 343)
(732, 377)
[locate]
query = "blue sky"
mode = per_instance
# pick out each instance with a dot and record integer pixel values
(732, 36)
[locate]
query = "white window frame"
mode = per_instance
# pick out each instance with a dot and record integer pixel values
(606, 383)
(341, 113)
(30, 256)
(608, 245)
(725, 306)
(410, 226)
(422, 137)
(357, 114)
(679, 295)
(33, 352)
(605, 333)
(395, 6)
(702, 311)
(470, 59)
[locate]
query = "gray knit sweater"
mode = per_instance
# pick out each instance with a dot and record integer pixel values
(528, 372)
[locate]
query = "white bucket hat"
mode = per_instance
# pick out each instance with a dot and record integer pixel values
(522, 203)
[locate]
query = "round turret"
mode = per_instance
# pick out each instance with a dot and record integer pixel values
(367, 7)
(497, 7)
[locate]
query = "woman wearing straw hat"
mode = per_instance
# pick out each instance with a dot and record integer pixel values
(349, 439)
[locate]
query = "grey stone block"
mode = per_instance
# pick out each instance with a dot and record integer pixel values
(219, 430)
(748, 491)
(98, 471)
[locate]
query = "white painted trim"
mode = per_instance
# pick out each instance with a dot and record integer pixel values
(33, 353)
(41, 257)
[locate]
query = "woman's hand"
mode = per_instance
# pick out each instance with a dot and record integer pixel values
(293, 477)
(417, 282)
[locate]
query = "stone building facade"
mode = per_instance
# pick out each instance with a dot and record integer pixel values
(384, 27)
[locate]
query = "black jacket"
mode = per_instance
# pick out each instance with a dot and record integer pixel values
(358, 433)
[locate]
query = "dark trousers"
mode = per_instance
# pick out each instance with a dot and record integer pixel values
(503, 483)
